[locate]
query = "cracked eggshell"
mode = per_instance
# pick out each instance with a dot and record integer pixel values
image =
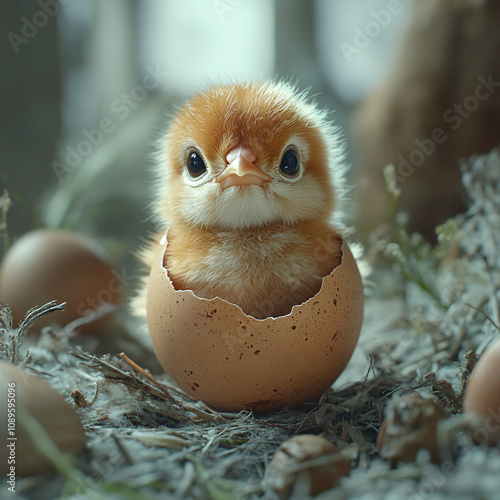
(231, 361)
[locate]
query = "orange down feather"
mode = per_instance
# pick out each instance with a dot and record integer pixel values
(265, 237)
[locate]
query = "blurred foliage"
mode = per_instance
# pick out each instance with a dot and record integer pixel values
(417, 259)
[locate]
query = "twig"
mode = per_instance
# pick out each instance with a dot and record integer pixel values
(484, 314)
(135, 366)
(37, 312)
(115, 374)
(470, 361)
(204, 415)
(178, 410)
(17, 334)
(306, 418)
(123, 450)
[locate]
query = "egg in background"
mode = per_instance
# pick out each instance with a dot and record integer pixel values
(482, 396)
(56, 264)
(33, 398)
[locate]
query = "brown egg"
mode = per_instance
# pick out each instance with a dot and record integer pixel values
(482, 396)
(53, 264)
(232, 361)
(285, 468)
(411, 424)
(28, 394)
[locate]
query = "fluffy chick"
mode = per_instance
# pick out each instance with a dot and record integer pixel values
(248, 184)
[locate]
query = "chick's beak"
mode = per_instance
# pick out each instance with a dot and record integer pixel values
(240, 170)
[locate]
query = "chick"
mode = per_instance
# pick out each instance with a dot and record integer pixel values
(248, 185)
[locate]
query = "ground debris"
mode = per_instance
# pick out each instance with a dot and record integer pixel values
(149, 440)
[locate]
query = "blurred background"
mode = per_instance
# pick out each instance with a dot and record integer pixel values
(87, 86)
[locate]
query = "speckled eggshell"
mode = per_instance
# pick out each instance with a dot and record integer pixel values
(231, 361)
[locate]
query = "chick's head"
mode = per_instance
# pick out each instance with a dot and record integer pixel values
(248, 155)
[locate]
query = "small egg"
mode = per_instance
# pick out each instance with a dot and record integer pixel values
(232, 361)
(285, 467)
(54, 264)
(410, 425)
(23, 393)
(482, 396)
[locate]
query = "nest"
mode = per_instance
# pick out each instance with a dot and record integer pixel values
(429, 311)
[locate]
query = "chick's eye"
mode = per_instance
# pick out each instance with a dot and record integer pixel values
(195, 164)
(289, 164)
